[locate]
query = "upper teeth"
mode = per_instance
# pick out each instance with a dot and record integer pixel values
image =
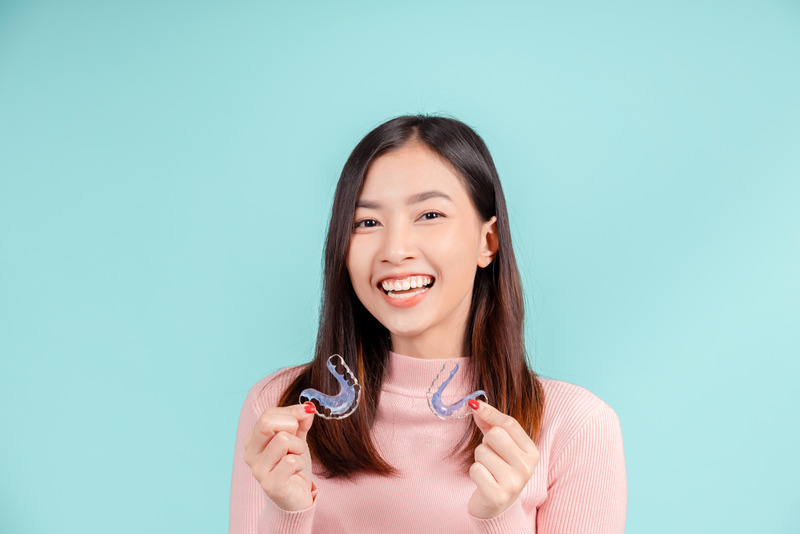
(411, 282)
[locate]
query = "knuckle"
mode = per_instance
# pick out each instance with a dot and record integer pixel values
(495, 433)
(282, 439)
(265, 419)
(508, 423)
(527, 473)
(473, 470)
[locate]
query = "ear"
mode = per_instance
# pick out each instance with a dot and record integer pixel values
(488, 242)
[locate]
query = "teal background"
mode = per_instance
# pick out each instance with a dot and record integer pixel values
(166, 174)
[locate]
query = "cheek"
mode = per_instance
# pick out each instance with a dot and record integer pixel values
(357, 265)
(459, 251)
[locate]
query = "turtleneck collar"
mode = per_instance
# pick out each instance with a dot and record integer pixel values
(413, 376)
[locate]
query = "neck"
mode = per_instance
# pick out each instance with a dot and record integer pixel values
(432, 347)
(442, 339)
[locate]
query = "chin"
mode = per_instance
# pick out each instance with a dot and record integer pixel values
(405, 330)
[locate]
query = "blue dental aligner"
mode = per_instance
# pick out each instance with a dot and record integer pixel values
(335, 406)
(458, 409)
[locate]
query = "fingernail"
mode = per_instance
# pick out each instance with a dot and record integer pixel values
(473, 404)
(309, 408)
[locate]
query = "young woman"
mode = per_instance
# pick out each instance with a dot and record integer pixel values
(419, 270)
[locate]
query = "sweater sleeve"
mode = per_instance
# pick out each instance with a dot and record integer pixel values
(512, 520)
(251, 511)
(587, 485)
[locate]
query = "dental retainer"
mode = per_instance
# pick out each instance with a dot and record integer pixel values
(345, 402)
(458, 409)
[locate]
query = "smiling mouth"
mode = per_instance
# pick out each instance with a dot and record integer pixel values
(407, 287)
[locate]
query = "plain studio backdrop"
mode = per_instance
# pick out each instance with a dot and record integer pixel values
(166, 175)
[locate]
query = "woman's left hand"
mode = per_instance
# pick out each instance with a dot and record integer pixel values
(504, 462)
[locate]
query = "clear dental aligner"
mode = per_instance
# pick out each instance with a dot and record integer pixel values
(335, 406)
(457, 410)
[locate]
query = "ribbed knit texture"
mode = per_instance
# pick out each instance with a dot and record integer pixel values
(578, 486)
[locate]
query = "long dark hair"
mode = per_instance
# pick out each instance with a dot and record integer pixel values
(494, 336)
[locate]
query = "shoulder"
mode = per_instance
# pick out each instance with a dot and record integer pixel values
(267, 392)
(569, 411)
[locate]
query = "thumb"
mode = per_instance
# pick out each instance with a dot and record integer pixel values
(304, 419)
(486, 416)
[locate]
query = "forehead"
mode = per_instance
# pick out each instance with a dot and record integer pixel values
(410, 169)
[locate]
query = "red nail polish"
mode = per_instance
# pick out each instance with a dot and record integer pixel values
(309, 407)
(473, 404)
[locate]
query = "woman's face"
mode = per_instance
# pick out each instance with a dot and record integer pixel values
(416, 245)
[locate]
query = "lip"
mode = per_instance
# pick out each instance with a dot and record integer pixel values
(406, 302)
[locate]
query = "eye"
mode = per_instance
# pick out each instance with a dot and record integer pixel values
(431, 215)
(365, 223)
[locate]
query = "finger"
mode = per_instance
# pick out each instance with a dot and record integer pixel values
(305, 419)
(282, 481)
(265, 429)
(261, 437)
(501, 471)
(501, 443)
(484, 480)
(487, 416)
(279, 446)
(272, 421)
(288, 466)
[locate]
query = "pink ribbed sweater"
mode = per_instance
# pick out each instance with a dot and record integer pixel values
(578, 486)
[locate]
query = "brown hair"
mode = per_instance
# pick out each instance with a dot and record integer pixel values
(494, 336)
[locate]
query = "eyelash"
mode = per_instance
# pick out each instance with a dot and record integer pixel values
(424, 216)
(436, 213)
(360, 224)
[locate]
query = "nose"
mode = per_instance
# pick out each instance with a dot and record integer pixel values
(398, 244)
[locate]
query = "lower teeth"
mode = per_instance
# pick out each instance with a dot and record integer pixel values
(394, 295)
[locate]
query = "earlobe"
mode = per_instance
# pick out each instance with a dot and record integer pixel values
(489, 243)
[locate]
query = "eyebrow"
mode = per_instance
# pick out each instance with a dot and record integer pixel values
(413, 199)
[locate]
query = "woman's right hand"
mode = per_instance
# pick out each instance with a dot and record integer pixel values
(277, 453)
